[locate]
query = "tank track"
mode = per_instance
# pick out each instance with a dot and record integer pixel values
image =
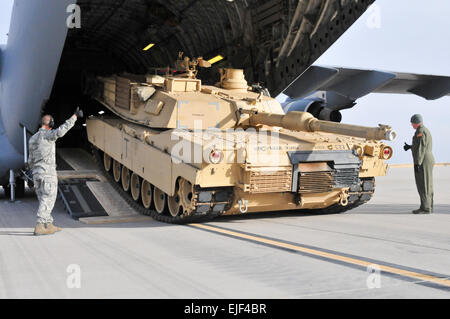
(182, 219)
(366, 191)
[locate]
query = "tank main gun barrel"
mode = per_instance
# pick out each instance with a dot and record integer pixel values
(303, 121)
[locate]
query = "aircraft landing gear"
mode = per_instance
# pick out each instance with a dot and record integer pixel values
(15, 188)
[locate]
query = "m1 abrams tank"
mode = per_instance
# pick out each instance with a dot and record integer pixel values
(184, 152)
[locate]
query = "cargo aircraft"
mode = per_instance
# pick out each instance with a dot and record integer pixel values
(54, 46)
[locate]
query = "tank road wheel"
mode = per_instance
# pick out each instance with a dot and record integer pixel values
(174, 204)
(135, 187)
(125, 179)
(146, 194)
(116, 170)
(186, 193)
(159, 199)
(107, 162)
(182, 201)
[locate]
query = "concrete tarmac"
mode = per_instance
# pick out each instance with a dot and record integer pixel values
(154, 260)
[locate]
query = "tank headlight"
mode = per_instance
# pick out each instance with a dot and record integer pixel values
(387, 153)
(215, 157)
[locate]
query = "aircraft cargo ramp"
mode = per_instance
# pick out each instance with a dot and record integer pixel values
(86, 193)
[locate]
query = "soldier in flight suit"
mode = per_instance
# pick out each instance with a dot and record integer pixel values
(42, 160)
(423, 164)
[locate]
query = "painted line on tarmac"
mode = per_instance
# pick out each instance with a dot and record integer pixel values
(418, 276)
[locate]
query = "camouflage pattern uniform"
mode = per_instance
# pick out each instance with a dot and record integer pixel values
(42, 160)
(423, 166)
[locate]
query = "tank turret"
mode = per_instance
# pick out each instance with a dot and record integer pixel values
(303, 121)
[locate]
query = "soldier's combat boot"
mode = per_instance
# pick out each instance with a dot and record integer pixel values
(53, 228)
(41, 230)
(421, 211)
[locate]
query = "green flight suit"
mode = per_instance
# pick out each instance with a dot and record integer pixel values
(423, 166)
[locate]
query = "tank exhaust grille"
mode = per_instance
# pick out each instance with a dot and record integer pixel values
(316, 182)
(269, 179)
(346, 177)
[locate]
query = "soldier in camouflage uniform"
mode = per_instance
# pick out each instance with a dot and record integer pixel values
(42, 160)
(423, 164)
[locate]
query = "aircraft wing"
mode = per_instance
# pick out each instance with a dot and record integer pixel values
(356, 83)
(430, 87)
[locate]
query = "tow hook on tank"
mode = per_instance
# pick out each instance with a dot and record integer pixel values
(343, 198)
(243, 206)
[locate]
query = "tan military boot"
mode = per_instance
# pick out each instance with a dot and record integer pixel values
(53, 228)
(421, 211)
(41, 230)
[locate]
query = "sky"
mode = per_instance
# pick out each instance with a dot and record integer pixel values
(5, 17)
(401, 35)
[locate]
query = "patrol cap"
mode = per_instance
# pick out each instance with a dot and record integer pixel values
(417, 119)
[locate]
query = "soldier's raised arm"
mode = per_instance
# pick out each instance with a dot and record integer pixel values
(53, 135)
(63, 129)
